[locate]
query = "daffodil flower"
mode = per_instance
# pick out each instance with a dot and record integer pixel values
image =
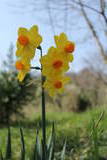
(27, 42)
(53, 63)
(56, 85)
(65, 46)
(23, 67)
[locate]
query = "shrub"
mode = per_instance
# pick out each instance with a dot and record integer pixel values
(13, 95)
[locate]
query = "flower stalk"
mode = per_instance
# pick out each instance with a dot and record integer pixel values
(43, 114)
(37, 68)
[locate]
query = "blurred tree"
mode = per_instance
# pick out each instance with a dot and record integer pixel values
(8, 64)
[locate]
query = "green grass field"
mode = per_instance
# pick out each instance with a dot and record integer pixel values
(76, 128)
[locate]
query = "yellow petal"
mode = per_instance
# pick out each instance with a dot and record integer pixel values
(34, 29)
(35, 39)
(63, 37)
(56, 40)
(18, 52)
(21, 76)
(60, 40)
(71, 58)
(28, 52)
(52, 50)
(22, 31)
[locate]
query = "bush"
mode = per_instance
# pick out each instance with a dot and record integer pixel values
(13, 95)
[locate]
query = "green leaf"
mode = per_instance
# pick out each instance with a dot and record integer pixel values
(63, 151)
(51, 138)
(8, 146)
(22, 145)
(51, 153)
(51, 145)
(37, 153)
(1, 156)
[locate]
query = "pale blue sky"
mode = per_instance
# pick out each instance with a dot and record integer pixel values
(12, 17)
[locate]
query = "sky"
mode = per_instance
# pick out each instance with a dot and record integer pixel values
(14, 14)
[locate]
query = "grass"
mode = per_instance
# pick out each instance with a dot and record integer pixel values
(75, 127)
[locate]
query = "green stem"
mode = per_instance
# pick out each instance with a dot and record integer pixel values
(37, 68)
(43, 122)
(43, 115)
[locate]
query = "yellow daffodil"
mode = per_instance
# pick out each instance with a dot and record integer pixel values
(23, 67)
(55, 85)
(53, 63)
(65, 46)
(27, 42)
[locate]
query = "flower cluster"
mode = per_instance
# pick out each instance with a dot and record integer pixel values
(56, 63)
(27, 42)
